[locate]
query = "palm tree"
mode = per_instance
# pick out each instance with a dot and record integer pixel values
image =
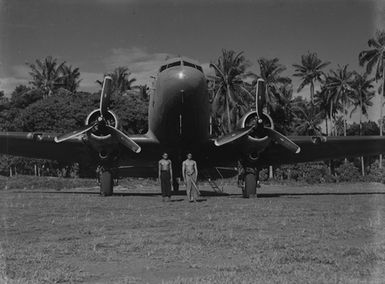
(310, 71)
(229, 90)
(270, 71)
(374, 58)
(121, 81)
(362, 95)
(308, 120)
(286, 109)
(339, 83)
(70, 78)
(322, 103)
(46, 75)
(362, 100)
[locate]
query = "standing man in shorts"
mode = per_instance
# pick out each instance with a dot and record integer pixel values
(190, 174)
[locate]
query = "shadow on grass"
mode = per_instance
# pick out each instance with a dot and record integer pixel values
(273, 195)
(149, 194)
(205, 193)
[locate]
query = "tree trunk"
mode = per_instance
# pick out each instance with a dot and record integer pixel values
(381, 102)
(360, 129)
(331, 119)
(345, 111)
(362, 166)
(312, 92)
(271, 173)
(345, 118)
(228, 109)
(326, 125)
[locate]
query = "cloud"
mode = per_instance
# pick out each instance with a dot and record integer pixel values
(140, 62)
(8, 84)
(17, 75)
(88, 81)
(379, 14)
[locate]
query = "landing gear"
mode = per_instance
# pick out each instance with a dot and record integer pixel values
(250, 185)
(106, 182)
(249, 179)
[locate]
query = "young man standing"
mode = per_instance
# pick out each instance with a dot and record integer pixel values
(190, 173)
(165, 176)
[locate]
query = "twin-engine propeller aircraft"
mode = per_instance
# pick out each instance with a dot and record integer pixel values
(179, 122)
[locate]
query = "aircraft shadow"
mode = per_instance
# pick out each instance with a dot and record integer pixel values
(149, 194)
(272, 195)
(205, 193)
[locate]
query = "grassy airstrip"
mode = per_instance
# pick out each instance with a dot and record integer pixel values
(292, 234)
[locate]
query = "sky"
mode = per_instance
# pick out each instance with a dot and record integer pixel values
(99, 35)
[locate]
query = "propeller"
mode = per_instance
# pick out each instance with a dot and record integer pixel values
(101, 124)
(258, 127)
(235, 135)
(283, 140)
(260, 97)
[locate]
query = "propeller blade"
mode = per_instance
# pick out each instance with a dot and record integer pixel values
(105, 95)
(75, 133)
(124, 139)
(283, 140)
(233, 136)
(260, 96)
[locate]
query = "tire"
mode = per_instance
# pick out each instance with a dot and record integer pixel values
(106, 183)
(175, 185)
(250, 185)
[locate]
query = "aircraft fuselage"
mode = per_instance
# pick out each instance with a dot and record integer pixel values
(179, 110)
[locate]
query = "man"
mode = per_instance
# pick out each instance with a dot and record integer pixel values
(165, 176)
(190, 173)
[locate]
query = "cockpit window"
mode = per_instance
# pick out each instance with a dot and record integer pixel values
(185, 63)
(177, 63)
(173, 64)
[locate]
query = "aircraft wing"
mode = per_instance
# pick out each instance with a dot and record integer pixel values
(311, 149)
(324, 148)
(43, 146)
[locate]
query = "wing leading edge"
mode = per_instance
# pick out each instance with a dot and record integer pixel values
(43, 146)
(324, 148)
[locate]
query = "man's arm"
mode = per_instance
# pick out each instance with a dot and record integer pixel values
(171, 171)
(159, 170)
(184, 171)
(196, 169)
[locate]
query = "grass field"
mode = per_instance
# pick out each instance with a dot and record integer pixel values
(291, 234)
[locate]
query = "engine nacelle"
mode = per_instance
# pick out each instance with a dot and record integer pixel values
(258, 139)
(111, 120)
(99, 139)
(249, 119)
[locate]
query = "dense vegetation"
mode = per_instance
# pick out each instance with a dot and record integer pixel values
(51, 102)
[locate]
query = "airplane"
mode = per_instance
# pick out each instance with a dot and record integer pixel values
(179, 123)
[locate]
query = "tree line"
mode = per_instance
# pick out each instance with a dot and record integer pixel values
(51, 101)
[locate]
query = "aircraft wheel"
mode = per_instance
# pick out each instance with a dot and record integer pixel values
(106, 183)
(175, 185)
(250, 185)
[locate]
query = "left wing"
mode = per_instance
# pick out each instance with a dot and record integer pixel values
(43, 146)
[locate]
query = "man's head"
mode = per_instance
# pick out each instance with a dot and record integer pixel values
(189, 156)
(165, 156)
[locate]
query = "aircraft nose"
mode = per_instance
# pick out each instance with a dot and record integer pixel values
(188, 80)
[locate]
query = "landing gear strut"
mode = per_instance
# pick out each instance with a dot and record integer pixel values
(249, 177)
(106, 181)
